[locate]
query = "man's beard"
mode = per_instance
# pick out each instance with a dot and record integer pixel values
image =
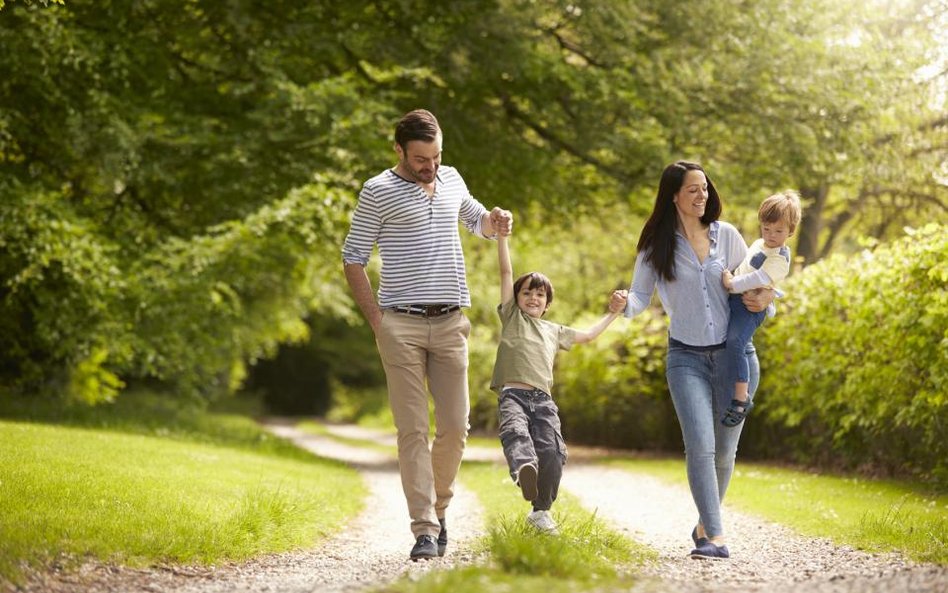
(422, 175)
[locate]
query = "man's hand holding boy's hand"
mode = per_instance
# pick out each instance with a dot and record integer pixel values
(618, 301)
(502, 221)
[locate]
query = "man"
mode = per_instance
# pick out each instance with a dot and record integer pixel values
(412, 213)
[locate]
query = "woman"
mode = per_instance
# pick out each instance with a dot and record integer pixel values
(683, 250)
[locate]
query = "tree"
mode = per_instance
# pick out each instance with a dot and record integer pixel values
(176, 179)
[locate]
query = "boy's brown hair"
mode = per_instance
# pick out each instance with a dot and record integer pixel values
(784, 206)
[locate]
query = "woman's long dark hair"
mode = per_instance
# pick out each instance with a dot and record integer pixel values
(657, 240)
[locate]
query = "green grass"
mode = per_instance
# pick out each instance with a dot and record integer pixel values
(873, 515)
(586, 555)
(156, 486)
(487, 442)
(320, 428)
(154, 414)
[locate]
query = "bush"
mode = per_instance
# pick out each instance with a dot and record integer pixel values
(61, 318)
(855, 366)
(613, 392)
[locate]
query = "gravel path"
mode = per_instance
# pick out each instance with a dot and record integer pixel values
(373, 549)
(764, 556)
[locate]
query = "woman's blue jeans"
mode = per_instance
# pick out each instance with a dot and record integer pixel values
(701, 392)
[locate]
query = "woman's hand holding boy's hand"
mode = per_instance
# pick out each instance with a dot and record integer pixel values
(618, 301)
(727, 278)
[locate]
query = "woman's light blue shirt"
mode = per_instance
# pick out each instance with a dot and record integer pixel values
(696, 302)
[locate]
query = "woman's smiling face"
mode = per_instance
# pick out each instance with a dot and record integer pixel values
(692, 199)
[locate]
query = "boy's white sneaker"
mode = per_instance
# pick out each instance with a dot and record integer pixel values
(543, 522)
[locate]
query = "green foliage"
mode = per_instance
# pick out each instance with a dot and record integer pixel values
(62, 315)
(82, 310)
(206, 305)
(43, 2)
(855, 366)
(613, 391)
(175, 180)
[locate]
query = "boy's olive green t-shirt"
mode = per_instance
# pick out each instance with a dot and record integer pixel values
(528, 348)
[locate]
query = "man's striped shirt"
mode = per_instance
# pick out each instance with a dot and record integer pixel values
(418, 237)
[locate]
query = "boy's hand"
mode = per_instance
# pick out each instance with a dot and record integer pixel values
(618, 301)
(727, 279)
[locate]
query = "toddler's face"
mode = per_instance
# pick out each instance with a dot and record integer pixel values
(775, 234)
(532, 301)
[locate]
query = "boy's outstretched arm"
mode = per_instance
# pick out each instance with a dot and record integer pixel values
(506, 270)
(617, 304)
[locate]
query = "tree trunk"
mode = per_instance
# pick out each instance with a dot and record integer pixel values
(808, 244)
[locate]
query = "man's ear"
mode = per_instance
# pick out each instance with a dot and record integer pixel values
(399, 151)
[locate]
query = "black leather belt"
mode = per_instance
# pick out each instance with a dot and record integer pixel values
(426, 310)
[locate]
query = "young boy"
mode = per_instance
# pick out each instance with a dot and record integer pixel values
(523, 375)
(766, 264)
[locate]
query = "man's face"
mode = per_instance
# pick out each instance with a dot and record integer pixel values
(420, 159)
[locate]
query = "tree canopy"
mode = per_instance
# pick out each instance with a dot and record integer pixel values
(176, 178)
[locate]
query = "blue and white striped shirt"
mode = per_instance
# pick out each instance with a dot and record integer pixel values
(418, 237)
(696, 302)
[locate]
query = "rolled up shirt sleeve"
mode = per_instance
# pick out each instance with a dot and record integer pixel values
(363, 230)
(471, 215)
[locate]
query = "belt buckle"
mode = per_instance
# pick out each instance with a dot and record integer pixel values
(433, 310)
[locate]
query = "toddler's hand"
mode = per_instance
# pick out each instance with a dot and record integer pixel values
(727, 279)
(618, 301)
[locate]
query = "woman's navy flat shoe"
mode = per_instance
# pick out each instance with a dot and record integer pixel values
(710, 551)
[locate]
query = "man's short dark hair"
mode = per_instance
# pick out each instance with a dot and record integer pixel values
(419, 124)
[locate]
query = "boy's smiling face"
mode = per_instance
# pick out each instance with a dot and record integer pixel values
(532, 301)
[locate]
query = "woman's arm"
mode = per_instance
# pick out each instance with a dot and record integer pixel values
(506, 269)
(644, 279)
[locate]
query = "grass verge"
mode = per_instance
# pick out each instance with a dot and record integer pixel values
(873, 515)
(196, 489)
(585, 556)
(322, 429)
